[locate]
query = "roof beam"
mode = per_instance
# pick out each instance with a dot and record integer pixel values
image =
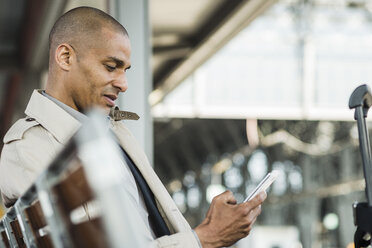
(238, 19)
(172, 51)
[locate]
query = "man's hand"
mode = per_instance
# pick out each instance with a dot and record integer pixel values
(227, 222)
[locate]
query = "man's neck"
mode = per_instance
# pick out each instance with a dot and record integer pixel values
(73, 112)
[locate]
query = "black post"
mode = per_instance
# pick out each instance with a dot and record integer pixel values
(361, 100)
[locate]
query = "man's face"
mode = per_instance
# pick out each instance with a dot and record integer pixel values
(99, 72)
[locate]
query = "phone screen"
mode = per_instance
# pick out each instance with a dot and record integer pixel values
(263, 185)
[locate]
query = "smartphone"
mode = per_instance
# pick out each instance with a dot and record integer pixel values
(263, 185)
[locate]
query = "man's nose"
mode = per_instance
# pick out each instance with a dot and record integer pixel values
(121, 83)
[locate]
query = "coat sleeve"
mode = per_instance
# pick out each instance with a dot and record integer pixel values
(187, 239)
(27, 151)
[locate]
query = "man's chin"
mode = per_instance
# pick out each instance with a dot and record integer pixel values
(107, 109)
(104, 109)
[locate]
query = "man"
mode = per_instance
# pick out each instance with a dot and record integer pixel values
(89, 56)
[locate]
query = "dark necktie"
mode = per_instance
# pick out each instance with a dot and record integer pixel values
(157, 222)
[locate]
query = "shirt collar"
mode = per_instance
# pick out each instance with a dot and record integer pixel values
(76, 114)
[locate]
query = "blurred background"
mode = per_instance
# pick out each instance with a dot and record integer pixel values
(227, 91)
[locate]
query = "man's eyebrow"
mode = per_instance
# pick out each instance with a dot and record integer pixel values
(118, 61)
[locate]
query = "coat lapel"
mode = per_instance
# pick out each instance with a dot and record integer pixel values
(162, 196)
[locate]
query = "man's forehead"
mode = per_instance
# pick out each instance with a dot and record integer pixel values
(105, 37)
(113, 46)
(116, 40)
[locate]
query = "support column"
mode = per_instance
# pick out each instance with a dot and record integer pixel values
(134, 16)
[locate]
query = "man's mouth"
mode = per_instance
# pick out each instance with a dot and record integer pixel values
(110, 98)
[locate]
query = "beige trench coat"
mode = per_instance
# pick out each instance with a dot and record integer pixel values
(32, 142)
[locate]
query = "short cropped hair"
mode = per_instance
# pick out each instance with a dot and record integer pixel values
(82, 25)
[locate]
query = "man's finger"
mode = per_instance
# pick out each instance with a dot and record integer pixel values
(257, 200)
(254, 213)
(250, 226)
(227, 197)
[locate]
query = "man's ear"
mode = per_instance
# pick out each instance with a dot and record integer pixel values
(64, 56)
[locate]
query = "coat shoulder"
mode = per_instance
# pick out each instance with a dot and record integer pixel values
(17, 131)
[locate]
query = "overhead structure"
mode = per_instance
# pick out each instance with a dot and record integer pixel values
(177, 55)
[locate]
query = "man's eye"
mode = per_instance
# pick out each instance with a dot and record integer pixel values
(110, 68)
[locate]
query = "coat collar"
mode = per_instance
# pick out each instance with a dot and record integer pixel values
(130, 145)
(52, 117)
